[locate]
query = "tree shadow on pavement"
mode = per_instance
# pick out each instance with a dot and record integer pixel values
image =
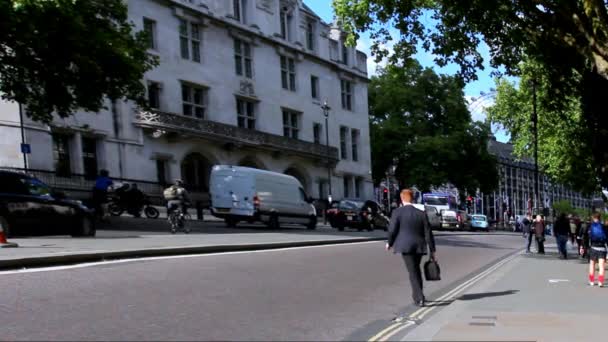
(475, 296)
(456, 242)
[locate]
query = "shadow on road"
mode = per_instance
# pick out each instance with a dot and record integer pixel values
(447, 240)
(475, 296)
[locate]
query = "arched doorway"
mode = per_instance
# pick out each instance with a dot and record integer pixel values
(252, 162)
(196, 171)
(299, 175)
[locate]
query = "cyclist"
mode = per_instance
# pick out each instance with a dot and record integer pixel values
(176, 195)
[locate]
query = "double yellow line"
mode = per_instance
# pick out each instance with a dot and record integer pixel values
(419, 314)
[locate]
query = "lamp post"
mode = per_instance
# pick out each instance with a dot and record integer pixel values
(326, 108)
(535, 131)
(23, 151)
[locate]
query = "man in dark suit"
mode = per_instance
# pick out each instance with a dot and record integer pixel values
(410, 234)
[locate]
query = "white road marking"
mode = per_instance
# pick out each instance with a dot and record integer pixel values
(554, 281)
(122, 261)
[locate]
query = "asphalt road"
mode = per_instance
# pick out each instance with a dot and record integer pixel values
(320, 293)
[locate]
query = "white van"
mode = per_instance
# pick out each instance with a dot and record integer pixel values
(248, 194)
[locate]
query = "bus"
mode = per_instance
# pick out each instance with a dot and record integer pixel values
(441, 201)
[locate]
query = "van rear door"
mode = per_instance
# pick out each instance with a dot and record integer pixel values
(232, 192)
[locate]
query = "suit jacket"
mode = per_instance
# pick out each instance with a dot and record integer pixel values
(409, 231)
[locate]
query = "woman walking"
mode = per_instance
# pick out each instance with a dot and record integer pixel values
(598, 237)
(539, 230)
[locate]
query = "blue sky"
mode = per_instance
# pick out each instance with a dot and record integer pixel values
(472, 90)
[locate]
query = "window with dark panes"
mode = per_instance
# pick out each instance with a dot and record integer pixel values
(150, 30)
(316, 130)
(242, 58)
(291, 124)
(61, 154)
(355, 144)
(314, 87)
(193, 100)
(343, 138)
(245, 113)
(154, 95)
(89, 157)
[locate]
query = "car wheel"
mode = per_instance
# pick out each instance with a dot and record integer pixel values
(85, 228)
(114, 209)
(6, 227)
(151, 212)
(312, 223)
(273, 222)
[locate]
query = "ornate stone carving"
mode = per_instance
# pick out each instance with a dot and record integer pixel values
(267, 5)
(246, 88)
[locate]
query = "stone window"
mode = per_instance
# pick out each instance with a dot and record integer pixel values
(314, 87)
(190, 40)
(245, 113)
(239, 10)
(154, 95)
(150, 30)
(310, 35)
(346, 180)
(317, 129)
(61, 154)
(242, 58)
(343, 143)
(288, 73)
(291, 124)
(355, 144)
(285, 22)
(89, 157)
(346, 90)
(193, 100)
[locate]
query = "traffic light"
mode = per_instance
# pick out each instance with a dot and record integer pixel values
(385, 193)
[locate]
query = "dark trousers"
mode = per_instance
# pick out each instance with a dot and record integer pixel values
(412, 263)
(540, 240)
(562, 241)
(530, 236)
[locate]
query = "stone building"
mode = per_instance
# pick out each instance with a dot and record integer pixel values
(240, 82)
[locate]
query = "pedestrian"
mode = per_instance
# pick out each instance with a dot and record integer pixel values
(100, 193)
(580, 236)
(528, 230)
(561, 231)
(598, 237)
(539, 231)
(572, 229)
(409, 233)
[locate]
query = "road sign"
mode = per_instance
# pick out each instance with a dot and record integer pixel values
(26, 148)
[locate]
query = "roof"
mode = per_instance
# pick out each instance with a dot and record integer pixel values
(253, 170)
(504, 153)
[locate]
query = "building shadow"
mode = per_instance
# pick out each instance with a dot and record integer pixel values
(475, 296)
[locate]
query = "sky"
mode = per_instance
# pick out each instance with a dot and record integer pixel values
(473, 89)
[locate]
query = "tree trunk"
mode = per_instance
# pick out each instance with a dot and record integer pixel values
(594, 90)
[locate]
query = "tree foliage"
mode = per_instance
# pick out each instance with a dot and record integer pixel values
(59, 56)
(563, 147)
(421, 119)
(569, 39)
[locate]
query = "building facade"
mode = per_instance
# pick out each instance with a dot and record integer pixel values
(240, 82)
(515, 191)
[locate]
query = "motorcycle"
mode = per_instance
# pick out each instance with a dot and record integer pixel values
(117, 206)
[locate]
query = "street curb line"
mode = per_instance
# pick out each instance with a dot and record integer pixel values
(55, 260)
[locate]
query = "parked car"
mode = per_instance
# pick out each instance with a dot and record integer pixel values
(479, 222)
(349, 213)
(28, 206)
(253, 195)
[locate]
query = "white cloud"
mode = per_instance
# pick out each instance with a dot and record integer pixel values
(477, 106)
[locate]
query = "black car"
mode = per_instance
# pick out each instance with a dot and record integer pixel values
(358, 214)
(28, 206)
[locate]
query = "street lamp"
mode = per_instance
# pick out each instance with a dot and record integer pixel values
(326, 108)
(535, 131)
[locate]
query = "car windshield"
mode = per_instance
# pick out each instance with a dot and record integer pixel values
(479, 218)
(351, 205)
(436, 200)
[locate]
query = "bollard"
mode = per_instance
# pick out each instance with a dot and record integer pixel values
(199, 210)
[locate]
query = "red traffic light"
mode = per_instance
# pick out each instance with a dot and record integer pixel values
(385, 190)
(469, 198)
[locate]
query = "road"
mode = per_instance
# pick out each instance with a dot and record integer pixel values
(319, 293)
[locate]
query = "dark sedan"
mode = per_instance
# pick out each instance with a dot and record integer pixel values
(28, 206)
(357, 214)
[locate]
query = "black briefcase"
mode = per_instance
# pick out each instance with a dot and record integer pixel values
(432, 272)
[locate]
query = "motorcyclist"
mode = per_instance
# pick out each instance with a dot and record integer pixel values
(134, 200)
(176, 195)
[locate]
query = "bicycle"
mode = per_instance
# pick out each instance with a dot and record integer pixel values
(177, 220)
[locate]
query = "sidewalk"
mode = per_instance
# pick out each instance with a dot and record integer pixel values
(532, 298)
(129, 237)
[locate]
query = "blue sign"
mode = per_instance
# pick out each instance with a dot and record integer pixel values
(26, 148)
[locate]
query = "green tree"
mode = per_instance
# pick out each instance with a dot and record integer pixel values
(568, 38)
(59, 56)
(563, 207)
(563, 147)
(421, 119)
